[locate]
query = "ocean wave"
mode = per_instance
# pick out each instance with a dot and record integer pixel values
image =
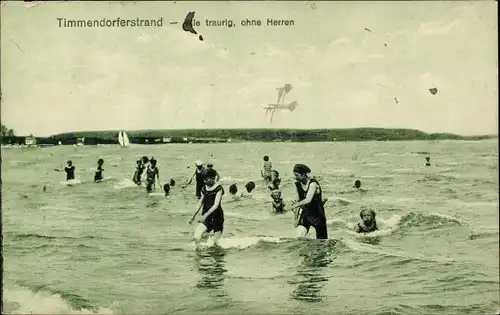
(430, 220)
(15, 235)
(40, 300)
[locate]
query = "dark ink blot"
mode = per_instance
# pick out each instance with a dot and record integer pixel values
(385, 44)
(200, 37)
(367, 29)
(433, 91)
(396, 99)
(188, 23)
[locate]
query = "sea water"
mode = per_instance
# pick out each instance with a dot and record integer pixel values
(111, 249)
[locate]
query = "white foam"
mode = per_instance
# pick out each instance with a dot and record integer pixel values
(43, 303)
(71, 182)
(239, 242)
(125, 183)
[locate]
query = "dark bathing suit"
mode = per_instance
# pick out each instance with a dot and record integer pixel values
(98, 174)
(150, 178)
(199, 183)
(215, 221)
(138, 174)
(313, 214)
(363, 229)
(279, 208)
(70, 172)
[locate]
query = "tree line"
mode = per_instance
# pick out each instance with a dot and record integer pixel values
(7, 132)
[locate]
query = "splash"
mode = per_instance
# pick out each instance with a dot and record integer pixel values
(23, 301)
(240, 242)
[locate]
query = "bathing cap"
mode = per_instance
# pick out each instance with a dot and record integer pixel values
(301, 169)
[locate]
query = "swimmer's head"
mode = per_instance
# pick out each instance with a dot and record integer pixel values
(367, 215)
(428, 158)
(276, 182)
(69, 162)
(153, 161)
(250, 186)
(210, 165)
(276, 194)
(145, 159)
(300, 171)
(233, 190)
(166, 189)
(139, 162)
(198, 164)
(172, 182)
(209, 175)
(266, 158)
(275, 174)
(357, 183)
(100, 161)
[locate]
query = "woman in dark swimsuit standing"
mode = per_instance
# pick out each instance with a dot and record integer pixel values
(310, 209)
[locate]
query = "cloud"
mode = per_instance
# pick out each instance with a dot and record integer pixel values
(437, 28)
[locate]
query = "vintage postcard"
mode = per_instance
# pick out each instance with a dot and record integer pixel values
(249, 157)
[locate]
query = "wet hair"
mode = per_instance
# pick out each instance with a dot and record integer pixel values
(266, 158)
(172, 182)
(276, 173)
(69, 162)
(250, 186)
(233, 189)
(152, 161)
(210, 165)
(209, 173)
(275, 192)
(276, 182)
(301, 169)
(357, 183)
(145, 159)
(367, 210)
(100, 161)
(166, 189)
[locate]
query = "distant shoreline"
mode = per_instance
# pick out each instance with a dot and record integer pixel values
(242, 135)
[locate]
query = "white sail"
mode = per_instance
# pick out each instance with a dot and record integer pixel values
(120, 138)
(123, 139)
(126, 141)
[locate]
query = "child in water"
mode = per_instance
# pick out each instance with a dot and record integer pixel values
(212, 218)
(98, 174)
(166, 189)
(368, 222)
(233, 190)
(69, 169)
(428, 161)
(266, 169)
(275, 180)
(278, 203)
(138, 171)
(250, 186)
(151, 172)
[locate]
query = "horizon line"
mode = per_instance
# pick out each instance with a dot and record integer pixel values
(270, 128)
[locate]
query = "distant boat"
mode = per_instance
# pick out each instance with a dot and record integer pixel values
(123, 139)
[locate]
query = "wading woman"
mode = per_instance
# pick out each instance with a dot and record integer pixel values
(309, 210)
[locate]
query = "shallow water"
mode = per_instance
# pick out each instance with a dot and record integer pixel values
(110, 248)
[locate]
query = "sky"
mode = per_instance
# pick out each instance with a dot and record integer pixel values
(56, 79)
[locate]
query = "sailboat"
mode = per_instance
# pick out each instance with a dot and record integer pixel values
(123, 139)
